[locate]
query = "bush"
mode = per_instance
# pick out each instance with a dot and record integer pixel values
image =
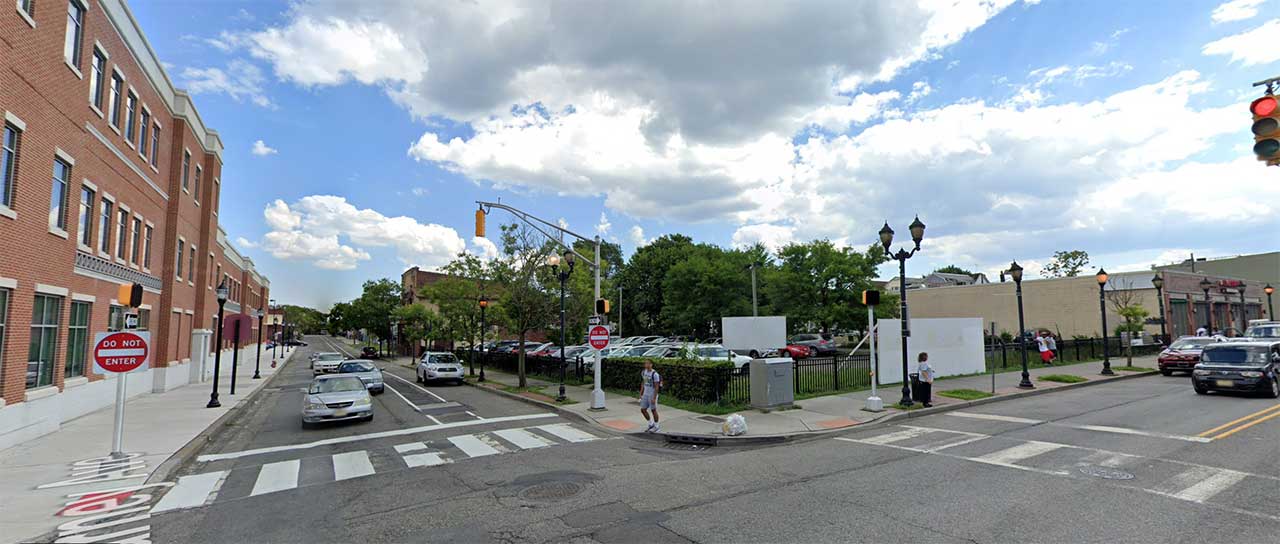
(687, 379)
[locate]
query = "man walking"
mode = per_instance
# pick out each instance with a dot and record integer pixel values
(650, 384)
(926, 379)
(1046, 356)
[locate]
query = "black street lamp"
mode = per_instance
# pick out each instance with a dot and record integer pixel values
(1244, 316)
(562, 274)
(1205, 285)
(484, 303)
(258, 364)
(1271, 311)
(1016, 272)
(886, 239)
(1158, 282)
(274, 343)
(221, 292)
(1102, 304)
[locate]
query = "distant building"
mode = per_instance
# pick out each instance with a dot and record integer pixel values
(938, 279)
(413, 280)
(1263, 268)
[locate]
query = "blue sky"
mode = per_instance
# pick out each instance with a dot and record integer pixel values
(1013, 128)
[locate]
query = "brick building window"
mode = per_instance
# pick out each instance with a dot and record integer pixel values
(122, 231)
(45, 317)
(28, 7)
(197, 193)
(58, 195)
(104, 226)
(75, 32)
(186, 170)
(117, 91)
(144, 129)
(9, 163)
(115, 318)
(135, 242)
(4, 317)
(146, 247)
(181, 250)
(191, 264)
(86, 216)
(144, 319)
(155, 144)
(131, 116)
(77, 338)
(97, 73)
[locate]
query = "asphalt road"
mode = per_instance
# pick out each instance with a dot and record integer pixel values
(1143, 460)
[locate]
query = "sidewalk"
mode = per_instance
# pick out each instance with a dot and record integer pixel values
(812, 415)
(41, 476)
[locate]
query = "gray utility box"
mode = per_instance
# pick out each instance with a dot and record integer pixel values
(772, 382)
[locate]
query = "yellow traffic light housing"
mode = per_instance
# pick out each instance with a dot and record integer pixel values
(1266, 129)
(602, 306)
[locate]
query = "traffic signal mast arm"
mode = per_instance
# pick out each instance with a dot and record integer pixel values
(532, 220)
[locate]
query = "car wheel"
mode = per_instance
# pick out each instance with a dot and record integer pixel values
(1275, 388)
(1166, 372)
(746, 367)
(369, 417)
(306, 426)
(418, 376)
(1199, 390)
(755, 354)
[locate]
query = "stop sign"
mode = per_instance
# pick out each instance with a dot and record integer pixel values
(124, 351)
(598, 337)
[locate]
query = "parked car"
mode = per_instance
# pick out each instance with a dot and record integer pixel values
(368, 352)
(327, 362)
(1270, 329)
(547, 350)
(1184, 353)
(661, 352)
(338, 397)
(368, 373)
(294, 342)
(1239, 366)
(821, 343)
(798, 351)
(440, 365)
(715, 352)
(506, 346)
(577, 351)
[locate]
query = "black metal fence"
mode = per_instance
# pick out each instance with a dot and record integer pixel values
(1005, 354)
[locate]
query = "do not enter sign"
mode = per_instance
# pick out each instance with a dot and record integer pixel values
(598, 337)
(121, 351)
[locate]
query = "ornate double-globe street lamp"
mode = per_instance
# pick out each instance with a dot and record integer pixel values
(484, 303)
(563, 268)
(1016, 272)
(1102, 305)
(886, 239)
(1158, 283)
(221, 293)
(1205, 285)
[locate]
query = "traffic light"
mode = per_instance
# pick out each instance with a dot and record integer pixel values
(870, 298)
(1266, 129)
(602, 306)
(479, 223)
(130, 294)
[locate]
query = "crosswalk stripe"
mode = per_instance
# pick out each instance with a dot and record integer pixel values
(190, 491)
(472, 446)
(412, 446)
(523, 439)
(429, 459)
(565, 431)
(274, 477)
(1017, 453)
(896, 436)
(352, 464)
(1200, 484)
(995, 417)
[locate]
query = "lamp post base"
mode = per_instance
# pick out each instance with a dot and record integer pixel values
(597, 400)
(1026, 381)
(874, 404)
(256, 375)
(213, 403)
(1106, 369)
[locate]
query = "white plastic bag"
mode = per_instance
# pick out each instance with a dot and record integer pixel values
(734, 425)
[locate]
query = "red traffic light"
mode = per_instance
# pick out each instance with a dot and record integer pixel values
(1263, 106)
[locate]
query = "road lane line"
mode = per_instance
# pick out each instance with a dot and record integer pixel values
(423, 389)
(369, 436)
(472, 446)
(563, 430)
(1245, 426)
(1017, 453)
(1209, 484)
(472, 414)
(1259, 413)
(1124, 430)
(191, 491)
(432, 418)
(896, 436)
(406, 401)
(274, 477)
(994, 417)
(525, 440)
(353, 464)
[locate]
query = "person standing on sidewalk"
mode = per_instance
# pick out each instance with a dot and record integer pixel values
(1053, 347)
(650, 384)
(1042, 344)
(926, 379)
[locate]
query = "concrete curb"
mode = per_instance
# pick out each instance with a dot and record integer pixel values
(189, 450)
(554, 407)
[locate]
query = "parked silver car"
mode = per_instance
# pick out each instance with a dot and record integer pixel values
(439, 365)
(338, 397)
(327, 362)
(368, 373)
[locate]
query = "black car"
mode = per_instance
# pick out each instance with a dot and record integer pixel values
(1239, 366)
(369, 352)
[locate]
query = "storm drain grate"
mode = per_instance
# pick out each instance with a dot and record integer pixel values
(1106, 473)
(691, 439)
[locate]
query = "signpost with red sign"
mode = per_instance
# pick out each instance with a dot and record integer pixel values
(121, 353)
(598, 337)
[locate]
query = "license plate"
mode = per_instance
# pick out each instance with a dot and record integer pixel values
(339, 413)
(1225, 383)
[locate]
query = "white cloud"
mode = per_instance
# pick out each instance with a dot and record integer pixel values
(1254, 46)
(772, 236)
(240, 80)
(1236, 10)
(261, 149)
(637, 236)
(602, 228)
(420, 191)
(333, 234)
(244, 242)
(330, 50)
(484, 248)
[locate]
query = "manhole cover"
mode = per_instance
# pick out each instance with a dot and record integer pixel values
(550, 491)
(712, 419)
(1105, 473)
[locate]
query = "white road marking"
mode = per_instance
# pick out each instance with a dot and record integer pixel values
(472, 446)
(567, 432)
(429, 459)
(1123, 430)
(432, 418)
(995, 417)
(897, 436)
(412, 446)
(420, 388)
(474, 415)
(370, 436)
(1017, 453)
(274, 477)
(352, 464)
(1208, 482)
(523, 439)
(190, 491)
(406, 401)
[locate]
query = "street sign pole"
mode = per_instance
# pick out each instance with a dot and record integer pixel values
(117, 435)
(120, 353)
(874, 403)
(235, 355)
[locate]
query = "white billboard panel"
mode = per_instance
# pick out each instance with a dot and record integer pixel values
(954, 345)
(754, 333)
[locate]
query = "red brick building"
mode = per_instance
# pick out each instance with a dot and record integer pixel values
(108, 176)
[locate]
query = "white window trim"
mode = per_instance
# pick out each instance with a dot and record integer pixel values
(6, 211)
(142, 242)
(25, 17)
(186, 154)
(143, 247)
(137, 102)
(98, 46)
(52, 290)
(93, 187)
(110, 220)
(120, 207)
(144, 128)
(145, 307)
(59, 232)
(81, 297)
(8, 283)
(94, 219)
(76, 381)
(73, 68)
(15, 121)
(71, 161)
(115, 71)
(181, 255)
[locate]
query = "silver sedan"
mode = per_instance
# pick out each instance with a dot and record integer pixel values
(368, 373)
(336, 398)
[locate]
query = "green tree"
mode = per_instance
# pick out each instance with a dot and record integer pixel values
(340, 318)
(372, 311)
(642, 281)
(525, 303)
(1066, 264)
(819, 285)
(711, 283)
(953, 269)
(457, 297)
(417, 322)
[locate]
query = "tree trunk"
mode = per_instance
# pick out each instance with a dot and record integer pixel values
(520, 362)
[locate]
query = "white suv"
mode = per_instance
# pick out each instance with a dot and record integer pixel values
(440, 365)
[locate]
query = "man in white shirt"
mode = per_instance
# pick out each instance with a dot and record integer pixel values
(1046, 356)
(1202, 331)
(650, 384)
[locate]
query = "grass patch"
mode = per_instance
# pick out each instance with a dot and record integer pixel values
(914, 406)
(965, 394)
(1133, 368)
(1064, 378)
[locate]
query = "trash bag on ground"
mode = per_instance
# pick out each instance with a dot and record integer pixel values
(734, 425)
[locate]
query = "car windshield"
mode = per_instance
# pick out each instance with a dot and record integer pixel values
(1190, 343)
(713, 352)
(1234, 355)
(655, 352)
(443, 359)
(355, 367)
(804, 337)
(329, 357)
(1269, 331)
(334, 385)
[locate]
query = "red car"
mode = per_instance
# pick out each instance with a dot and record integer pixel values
(1184, 353)
(797, 351)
